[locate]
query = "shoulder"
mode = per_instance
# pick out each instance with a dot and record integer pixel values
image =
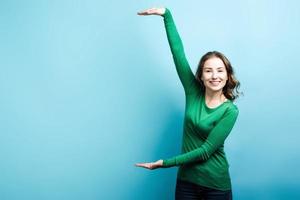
(232, 108)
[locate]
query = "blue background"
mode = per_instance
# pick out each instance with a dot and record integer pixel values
(88, 88)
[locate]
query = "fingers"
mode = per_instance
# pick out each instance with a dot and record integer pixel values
(146, 12)
(145, 165)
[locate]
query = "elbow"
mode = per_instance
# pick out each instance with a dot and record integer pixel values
(176, 49)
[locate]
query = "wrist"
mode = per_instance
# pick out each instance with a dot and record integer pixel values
(165, 11)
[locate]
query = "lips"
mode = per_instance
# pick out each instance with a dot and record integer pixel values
(214, 82)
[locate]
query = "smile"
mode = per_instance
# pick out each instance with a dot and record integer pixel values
(214, 82)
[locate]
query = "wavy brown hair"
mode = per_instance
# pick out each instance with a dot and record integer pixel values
(230, 90)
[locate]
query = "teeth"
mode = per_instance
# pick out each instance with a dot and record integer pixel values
(214, 82)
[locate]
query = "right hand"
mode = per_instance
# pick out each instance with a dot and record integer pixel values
(153, 11)
(151, 165)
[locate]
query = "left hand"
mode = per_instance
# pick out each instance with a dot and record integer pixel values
(151, 165)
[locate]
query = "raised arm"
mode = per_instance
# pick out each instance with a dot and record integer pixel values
(184, 71)
(182, 66)
(215, 139)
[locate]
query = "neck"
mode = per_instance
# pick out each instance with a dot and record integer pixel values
(214, 95)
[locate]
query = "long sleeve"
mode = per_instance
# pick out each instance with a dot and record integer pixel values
(184, 71)
(215, 139)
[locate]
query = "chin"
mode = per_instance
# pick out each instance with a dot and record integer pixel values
(214, 89)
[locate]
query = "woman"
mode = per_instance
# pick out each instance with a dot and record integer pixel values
(209, 117)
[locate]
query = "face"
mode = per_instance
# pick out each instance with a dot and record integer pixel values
(214, 74)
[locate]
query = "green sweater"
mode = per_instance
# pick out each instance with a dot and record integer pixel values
(203, 159)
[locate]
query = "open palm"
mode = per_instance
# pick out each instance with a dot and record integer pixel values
(151, 165)
(153, 11)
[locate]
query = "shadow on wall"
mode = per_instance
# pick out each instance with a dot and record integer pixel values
(160, 183)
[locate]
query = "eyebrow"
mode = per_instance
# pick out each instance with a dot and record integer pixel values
(211, 67)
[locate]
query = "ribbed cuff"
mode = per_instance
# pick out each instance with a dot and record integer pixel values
(167, 13)
(169, 162)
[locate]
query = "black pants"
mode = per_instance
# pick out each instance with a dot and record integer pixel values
(190, 191)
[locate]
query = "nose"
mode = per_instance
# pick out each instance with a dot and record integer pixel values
(214, 75)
